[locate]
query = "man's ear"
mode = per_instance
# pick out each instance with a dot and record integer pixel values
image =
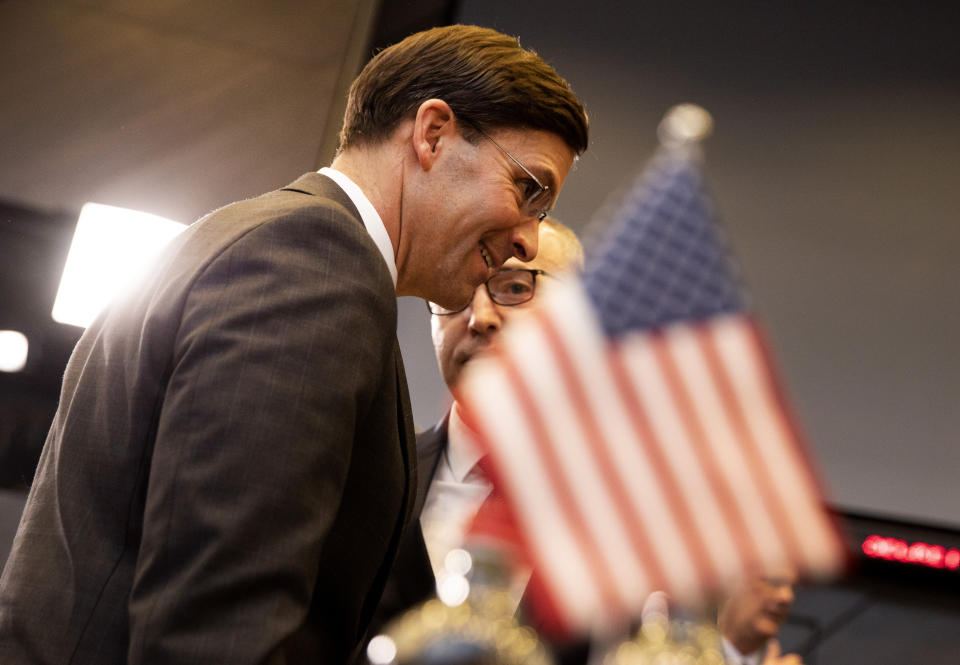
(433, 126)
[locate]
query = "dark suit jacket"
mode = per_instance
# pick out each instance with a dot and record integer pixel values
(232, 462)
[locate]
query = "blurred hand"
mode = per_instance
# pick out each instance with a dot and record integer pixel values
(774, 657)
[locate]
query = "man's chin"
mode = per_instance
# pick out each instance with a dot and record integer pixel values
(451, 294)
(462, 362)
(481, 352)
(767, 626)
(456, 303)
(465, 358)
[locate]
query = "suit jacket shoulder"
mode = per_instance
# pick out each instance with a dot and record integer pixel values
(232, 463)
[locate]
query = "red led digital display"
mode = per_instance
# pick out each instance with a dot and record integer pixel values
(923, 554)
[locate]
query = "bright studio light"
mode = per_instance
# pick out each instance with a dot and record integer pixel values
(112, 247)
(13, 350)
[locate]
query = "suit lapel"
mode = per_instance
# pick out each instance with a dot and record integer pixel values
(430, 446)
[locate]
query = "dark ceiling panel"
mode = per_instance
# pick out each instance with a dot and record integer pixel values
(305, 33)
(174, 110)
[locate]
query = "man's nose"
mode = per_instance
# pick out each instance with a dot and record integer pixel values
(525, 238)
(484, 316)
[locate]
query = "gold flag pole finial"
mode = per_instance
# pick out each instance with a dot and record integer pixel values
(684, 125)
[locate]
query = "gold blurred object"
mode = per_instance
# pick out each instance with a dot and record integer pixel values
(481, 631)
(663, 642)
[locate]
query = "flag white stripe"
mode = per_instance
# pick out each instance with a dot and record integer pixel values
(627, 552)
(581, 476)
(504, 427)
(648, 511)
(751, 389)
(787, 469)
(783, 521)
(668, 515)
(726, 447)
(675, 446)
(720, 491)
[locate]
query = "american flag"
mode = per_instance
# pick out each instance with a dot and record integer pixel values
(634, 425)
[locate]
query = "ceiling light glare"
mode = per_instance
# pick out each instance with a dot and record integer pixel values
(13, 350)
(111, 249)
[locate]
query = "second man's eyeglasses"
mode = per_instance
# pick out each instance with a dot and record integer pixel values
(508, 287)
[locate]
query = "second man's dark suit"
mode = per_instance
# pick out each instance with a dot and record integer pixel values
(412, 581)
(232, 461)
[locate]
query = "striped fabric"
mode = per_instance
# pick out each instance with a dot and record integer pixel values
(635, 428)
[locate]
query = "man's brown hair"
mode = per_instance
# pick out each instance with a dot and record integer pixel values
(486, 77)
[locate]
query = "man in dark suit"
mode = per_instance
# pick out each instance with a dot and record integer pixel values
(450, 486)
(232, 464)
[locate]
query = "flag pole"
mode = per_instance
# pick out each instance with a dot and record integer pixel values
(681, 133)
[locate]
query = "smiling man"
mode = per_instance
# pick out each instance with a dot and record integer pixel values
(232, 463)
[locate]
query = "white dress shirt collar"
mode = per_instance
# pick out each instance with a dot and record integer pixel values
(462, 450)
(371, 219)
(454, 495)
(733, 656)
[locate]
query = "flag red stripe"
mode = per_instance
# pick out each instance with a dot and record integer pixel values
(782, 521)
(577, 521)
(705, 568)
(595, 439)
(546, 602)
(539, 597)
(718, 486)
